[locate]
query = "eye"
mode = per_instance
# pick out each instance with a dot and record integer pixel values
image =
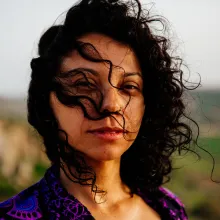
(130, 87)
(84, 84)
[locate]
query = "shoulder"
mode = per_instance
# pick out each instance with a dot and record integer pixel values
(25, 205)
(171, 196)
(172, 202)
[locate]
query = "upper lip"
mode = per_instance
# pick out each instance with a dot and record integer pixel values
(110, 129)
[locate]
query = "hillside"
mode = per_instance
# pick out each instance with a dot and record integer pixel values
(12, 107)
(203, 105)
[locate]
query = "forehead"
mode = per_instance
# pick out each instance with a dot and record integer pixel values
(119, 54)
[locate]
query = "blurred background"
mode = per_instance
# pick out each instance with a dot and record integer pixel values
(195, 36)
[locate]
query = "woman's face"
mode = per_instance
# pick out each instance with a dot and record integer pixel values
(103, 139)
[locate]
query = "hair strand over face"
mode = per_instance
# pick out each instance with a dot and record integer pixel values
(147, 163)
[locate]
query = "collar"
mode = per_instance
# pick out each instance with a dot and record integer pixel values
(57, 202)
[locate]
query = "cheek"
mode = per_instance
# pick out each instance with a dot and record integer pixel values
(70, 120)
(134, 113)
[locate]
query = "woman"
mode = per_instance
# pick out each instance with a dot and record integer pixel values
(106, 96)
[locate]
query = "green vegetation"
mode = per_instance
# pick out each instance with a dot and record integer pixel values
(206, 106)
(39, 170)
(6, 189)
(193, 183)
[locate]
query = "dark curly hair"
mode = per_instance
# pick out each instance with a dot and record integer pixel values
(147, 163)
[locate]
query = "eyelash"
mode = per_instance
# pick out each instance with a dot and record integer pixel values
(130, 87)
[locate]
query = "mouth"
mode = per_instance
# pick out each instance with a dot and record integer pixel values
(108, 133)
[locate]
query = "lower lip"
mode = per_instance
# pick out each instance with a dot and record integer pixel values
(111, 136)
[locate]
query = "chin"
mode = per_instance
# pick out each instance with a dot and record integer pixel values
(105, 154)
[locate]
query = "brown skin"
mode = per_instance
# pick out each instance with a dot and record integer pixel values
(104, 155)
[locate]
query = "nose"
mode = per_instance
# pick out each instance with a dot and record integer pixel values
(112, 101)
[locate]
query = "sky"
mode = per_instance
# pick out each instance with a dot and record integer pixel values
(194, 31)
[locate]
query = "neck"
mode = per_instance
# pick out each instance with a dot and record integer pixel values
(107, 179)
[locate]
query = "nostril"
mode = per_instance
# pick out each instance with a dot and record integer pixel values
(115, 110)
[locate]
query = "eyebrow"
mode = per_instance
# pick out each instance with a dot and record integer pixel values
(76, 71)
(94, 72)
(133, 74)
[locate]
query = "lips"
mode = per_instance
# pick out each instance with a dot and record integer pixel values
(108, 129)
(108, 133)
